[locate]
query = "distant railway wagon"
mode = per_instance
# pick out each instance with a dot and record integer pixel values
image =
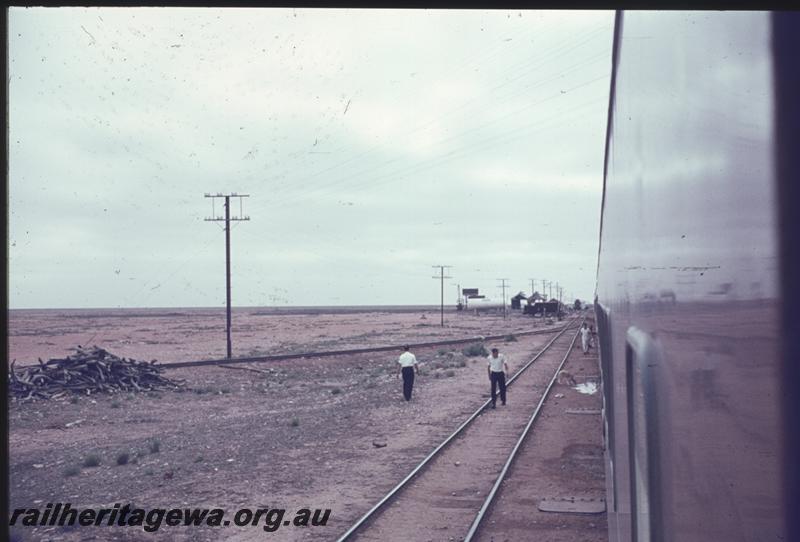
(480, 305)
(699, 276)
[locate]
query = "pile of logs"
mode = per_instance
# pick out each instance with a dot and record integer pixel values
(87, 371)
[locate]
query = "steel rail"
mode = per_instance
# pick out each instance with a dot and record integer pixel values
(328, 353)
(490, 497)
(396, 489)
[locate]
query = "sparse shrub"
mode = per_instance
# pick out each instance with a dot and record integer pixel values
(149, 472)
(122, 459)
(115, 404)
(154, 445)
(72, 470)
(295, 422)
(441, 352)
(336, 391)
(198, 459)
(462, 363)
(91, 460)
(74, 399)
(369, 385)
(205, 389)
(511, 338)
(450, 373)
(476, 349)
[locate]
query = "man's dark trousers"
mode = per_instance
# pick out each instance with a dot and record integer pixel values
(408, 382)
(498, 378)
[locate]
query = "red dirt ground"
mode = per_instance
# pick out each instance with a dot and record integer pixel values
(300, 434)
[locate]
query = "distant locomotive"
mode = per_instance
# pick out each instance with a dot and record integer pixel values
(698, 274)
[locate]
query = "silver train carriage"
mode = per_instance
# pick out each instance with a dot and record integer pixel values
(698, 280)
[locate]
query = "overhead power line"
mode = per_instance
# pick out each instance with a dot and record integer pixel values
(546, 55)
(341, 183)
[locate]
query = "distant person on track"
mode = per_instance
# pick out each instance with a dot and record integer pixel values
(497, 375)
(585, 336)
(408, 365)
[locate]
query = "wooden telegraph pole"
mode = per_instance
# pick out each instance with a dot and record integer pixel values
(228, 219)
(503, 285)
(442, 277)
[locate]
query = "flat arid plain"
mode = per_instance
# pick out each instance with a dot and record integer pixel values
(320, 433)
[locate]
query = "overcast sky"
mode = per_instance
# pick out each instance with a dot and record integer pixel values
(374, 144)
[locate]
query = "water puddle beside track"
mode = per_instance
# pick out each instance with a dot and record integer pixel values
(589, 388)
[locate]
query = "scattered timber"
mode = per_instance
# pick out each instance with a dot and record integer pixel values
(87, 371)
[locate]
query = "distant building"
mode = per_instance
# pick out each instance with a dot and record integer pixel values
(535, 297)
(542, 308)
(516, 301)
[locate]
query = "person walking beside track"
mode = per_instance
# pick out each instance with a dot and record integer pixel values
(408, 365)
(585, 335)
(497, 375)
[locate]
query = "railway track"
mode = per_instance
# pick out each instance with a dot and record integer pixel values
(464, 472)
(329, 353)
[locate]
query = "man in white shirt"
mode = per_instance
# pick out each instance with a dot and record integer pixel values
(408, 365)
(585, 335)
(497, 375)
